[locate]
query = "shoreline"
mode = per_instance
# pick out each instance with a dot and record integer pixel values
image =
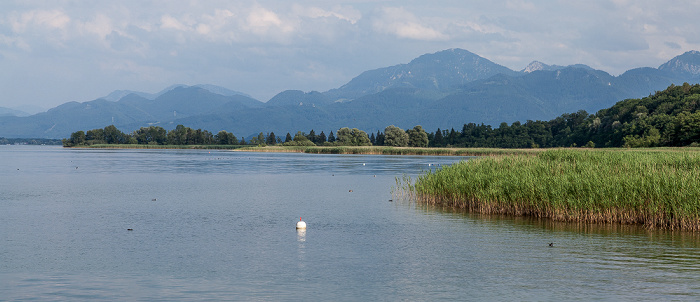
(381, 150)
(387, 150)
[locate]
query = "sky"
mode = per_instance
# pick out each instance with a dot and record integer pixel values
(52, 52)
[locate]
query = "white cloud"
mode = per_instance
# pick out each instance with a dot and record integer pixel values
(100, 25)
(203, 29)
(54, 19)
(267, 45)
(345, 13)
(520, 5)
(261, 20)
(170, 22)
(403, 24)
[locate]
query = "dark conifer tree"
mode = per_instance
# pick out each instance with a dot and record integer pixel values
(271, 139)
(380, 138)
(321, 138)
(312, 136)
(437, 140)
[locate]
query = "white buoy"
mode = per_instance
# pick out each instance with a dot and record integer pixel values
(301, 224)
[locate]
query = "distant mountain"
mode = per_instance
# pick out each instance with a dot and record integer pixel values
(12, 112)
(299, 98)
(539, 66)
(445, 89)
(129, 113)
(119, 94)
(685, 65)
(442, 71)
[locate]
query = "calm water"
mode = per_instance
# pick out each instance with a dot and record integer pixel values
(220, 225)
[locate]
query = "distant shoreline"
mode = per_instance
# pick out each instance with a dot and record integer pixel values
(378, 150)
(138, 146)
(385, 150)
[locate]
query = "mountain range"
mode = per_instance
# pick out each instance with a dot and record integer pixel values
(444, 89)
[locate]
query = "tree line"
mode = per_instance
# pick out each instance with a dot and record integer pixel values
(29, 141)
(666, 118)
(669, 118)
(181, 135)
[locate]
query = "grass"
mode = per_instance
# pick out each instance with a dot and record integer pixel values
(658, 188)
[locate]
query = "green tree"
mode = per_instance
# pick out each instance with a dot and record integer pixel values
(300, 139)
(271, 139)
(225, 138)
(114, 136)
(76, 138)
(312, 136)
(379, 139)
(321, 138)
(95, 136)
(151, 135)
(417, 137)
(395, 136)
(258, 140)
(437, 140)
(178, 136)
(354, 137)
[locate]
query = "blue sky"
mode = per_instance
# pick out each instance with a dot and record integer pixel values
(52, 52)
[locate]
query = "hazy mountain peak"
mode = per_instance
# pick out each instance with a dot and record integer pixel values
(119, 94)
(221, 90)
(443, 70)
(12, 112)
(536, 66)
(687, 63)
(539, 66)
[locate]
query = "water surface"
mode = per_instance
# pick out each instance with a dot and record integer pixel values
(219, 225)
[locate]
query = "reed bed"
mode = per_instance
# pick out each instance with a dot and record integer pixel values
(655, 188)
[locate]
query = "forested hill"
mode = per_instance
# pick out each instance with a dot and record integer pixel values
(666, 118)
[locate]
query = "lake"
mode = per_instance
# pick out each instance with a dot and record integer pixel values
(164, 225)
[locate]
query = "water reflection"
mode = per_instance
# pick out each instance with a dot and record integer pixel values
(658, 255)
(301, 235)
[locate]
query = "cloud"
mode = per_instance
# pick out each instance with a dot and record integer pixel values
(264, 46)
(261, 20)
(403, 24)
(170, 22)
(54, 19)
(611, 39)
(673, 45)
(345, 13)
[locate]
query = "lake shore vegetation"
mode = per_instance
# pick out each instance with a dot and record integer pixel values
(657, 188)
(669, 118)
